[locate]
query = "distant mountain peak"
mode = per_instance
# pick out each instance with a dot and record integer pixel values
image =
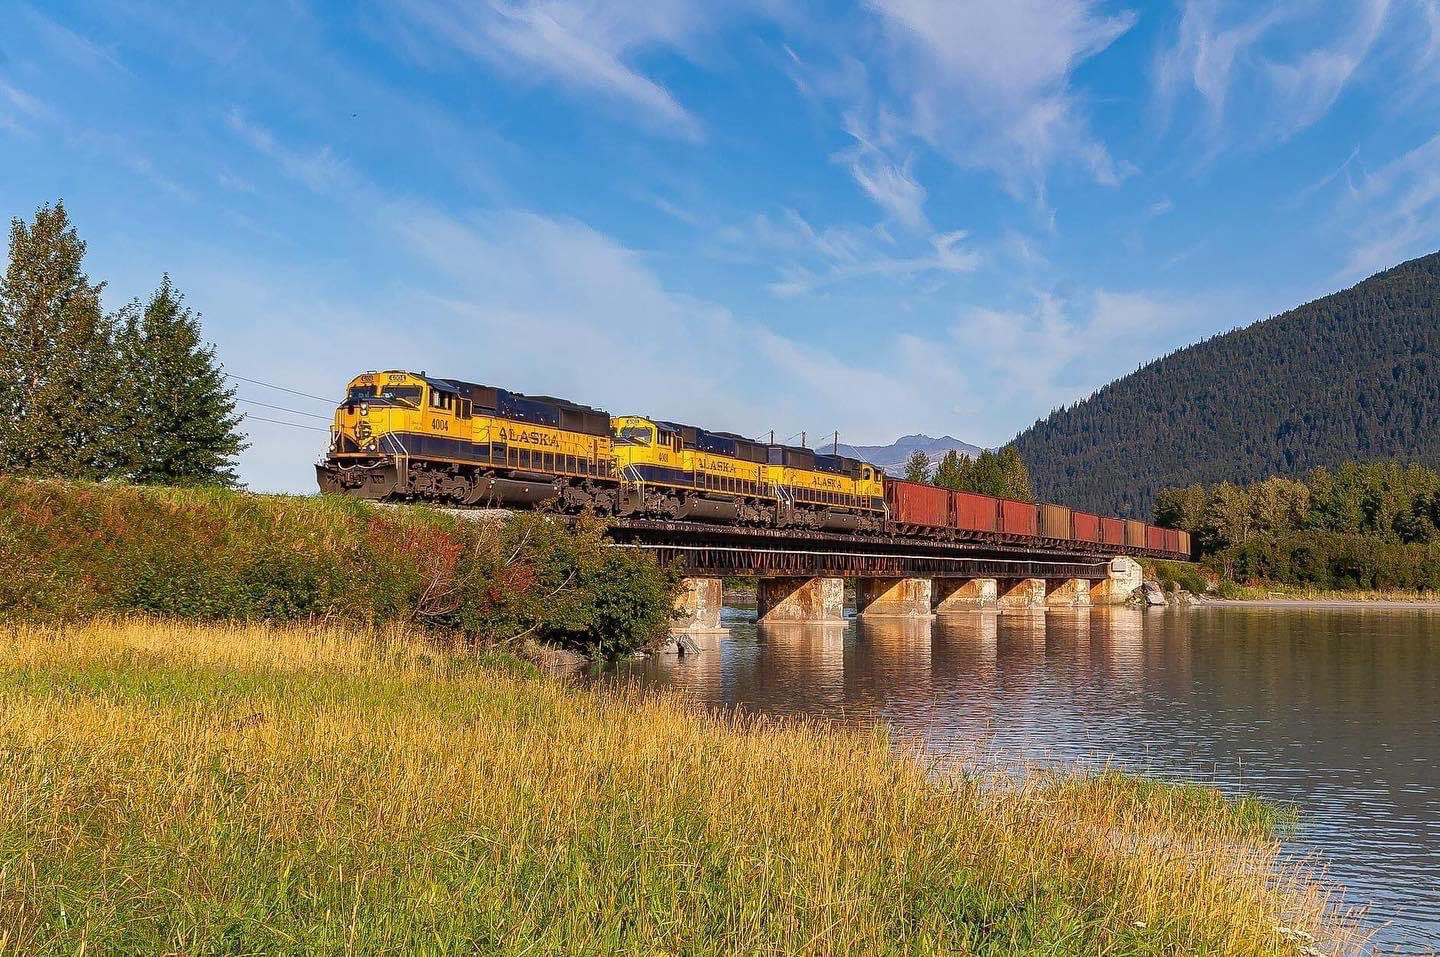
(892, 457)
(920, 438)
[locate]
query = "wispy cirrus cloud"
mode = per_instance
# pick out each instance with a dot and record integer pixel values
(1089, 338)
(888, 182)
(586, 46)
(1430, 50)
(1393, 211)
(992, 84)
(316, 168)
(25, 114)
(72, 47)
(813, 257)
(16, 104)
(986, 86)
(1229, 53)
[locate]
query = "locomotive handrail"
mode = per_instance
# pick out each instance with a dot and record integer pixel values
(393, 438)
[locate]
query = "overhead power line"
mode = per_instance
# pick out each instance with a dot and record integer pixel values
(281, 408)
(293, 425)
(281, 388)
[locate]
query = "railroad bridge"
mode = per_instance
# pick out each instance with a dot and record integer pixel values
(801, 574)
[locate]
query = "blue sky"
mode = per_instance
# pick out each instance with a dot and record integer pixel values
(891, 217)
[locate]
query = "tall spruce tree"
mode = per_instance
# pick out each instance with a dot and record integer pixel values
(182, 428)
(917, 467)
(59, 396)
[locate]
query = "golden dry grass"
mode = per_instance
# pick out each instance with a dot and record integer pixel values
(1267, 591)
(245, 789)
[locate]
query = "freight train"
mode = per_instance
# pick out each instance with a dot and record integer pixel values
(405, 436)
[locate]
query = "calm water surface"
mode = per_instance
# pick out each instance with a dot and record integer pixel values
(1331, 708)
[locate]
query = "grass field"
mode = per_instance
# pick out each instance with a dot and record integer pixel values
(244, 789)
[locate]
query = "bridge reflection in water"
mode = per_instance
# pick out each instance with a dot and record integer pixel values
(950, 668)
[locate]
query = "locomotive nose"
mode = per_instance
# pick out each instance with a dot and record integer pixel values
(352, 429)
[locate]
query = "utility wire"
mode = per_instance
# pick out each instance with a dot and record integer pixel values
(818, 445)
(281, 388)
(293, 425)
(281, 408)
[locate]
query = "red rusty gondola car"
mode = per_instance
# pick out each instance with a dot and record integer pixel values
(975, 513)
(916, 505)
(1019, 518)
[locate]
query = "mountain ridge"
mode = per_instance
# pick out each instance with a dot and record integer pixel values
(892, 457)
(1354, 375)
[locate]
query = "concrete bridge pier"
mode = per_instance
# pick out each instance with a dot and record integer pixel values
(800, 599)
(1126, 575)
(893, 597)
(1069, 593)
(1021, 593)
(698, 605)
(950, 593)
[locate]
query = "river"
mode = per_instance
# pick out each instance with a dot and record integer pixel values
(1334, 709)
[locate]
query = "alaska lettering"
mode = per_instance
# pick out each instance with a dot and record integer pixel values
(528, 437)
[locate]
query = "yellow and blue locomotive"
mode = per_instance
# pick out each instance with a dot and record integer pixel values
(680, 471)
(399, 435)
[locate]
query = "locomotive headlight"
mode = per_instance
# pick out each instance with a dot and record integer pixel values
(364, 408)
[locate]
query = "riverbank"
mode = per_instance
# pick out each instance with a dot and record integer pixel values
(1205, 584)
(72, 550)
(1359, 603)
(179, 787)
(1274, 593)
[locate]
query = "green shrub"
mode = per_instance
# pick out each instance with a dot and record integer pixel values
(1173, 575)
(75, 550)
(1332, 560)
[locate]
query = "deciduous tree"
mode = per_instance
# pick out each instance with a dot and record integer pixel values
(917, 467)
(1015, 478)
(954, 470)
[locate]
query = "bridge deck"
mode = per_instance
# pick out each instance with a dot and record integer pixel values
(772, 552)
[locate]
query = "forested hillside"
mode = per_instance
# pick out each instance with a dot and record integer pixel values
(1352, 376)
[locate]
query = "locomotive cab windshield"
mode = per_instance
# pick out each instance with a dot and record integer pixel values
(636, 434)
(405, 394)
